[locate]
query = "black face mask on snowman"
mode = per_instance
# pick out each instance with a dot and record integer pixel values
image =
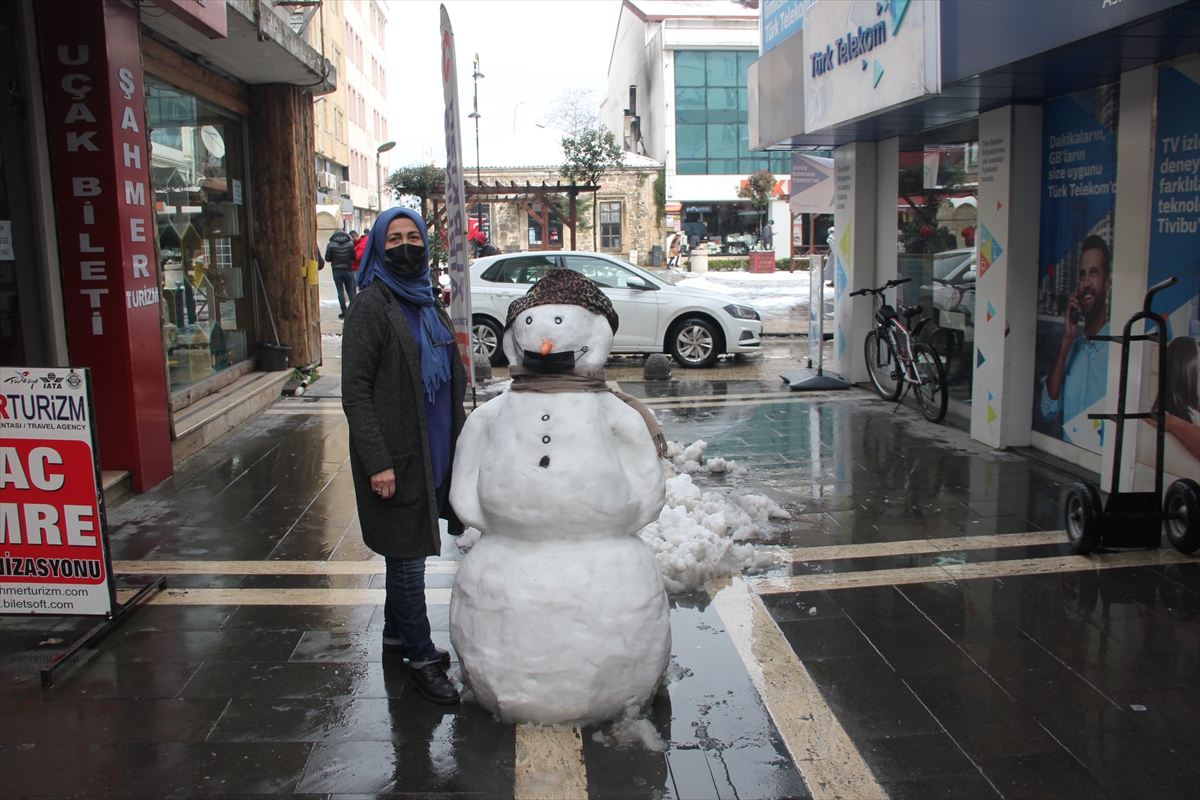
(551, 362)
(405, 260)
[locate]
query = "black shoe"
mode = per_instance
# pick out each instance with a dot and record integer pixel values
(399, 650)
(433, 684)
(342, 316)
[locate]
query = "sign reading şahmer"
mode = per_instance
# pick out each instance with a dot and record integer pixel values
(53, 548)
(865, 56)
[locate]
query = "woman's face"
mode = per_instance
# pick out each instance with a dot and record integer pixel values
(402, 230)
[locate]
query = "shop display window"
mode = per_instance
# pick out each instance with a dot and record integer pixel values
(937, 221)
(711, 112)
(198, 169)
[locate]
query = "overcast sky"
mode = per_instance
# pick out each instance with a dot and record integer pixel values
(529, 51)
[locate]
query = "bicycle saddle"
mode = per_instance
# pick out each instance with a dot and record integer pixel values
(911, 311)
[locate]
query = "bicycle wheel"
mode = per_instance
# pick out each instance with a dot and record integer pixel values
(931, 392)
(881, 366)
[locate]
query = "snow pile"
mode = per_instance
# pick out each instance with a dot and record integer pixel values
(633, 728)
(690, 459)
(695, 538)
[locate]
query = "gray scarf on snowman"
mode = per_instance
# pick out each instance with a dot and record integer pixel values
(584, 380)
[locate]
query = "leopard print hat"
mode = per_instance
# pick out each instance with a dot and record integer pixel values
(562, 286)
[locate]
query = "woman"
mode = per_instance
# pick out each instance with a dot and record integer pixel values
(402, 391)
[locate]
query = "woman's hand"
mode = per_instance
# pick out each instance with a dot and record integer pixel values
(384, 483)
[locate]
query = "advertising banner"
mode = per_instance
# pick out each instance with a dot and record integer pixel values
(780, 19)
(1079, 173)
(865, 56)
(812, 185)
(456, 204)
(52, 534)
(1175, 252)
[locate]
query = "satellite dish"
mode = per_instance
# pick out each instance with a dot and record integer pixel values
(213, 142)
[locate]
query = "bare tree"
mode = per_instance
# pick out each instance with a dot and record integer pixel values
(574, 110)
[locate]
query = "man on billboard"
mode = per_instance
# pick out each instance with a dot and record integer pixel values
(1079, 376)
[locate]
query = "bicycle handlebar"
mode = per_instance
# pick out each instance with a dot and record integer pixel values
(881, 289)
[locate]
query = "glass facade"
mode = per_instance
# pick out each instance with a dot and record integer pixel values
(198, 169)
(937, 220)
(711, 109)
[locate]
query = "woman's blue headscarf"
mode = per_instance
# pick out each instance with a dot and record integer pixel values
(435, 353)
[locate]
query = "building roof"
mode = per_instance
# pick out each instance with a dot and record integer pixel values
(706, 9)
(531, 148)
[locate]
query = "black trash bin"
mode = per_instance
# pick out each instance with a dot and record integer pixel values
(273, 357)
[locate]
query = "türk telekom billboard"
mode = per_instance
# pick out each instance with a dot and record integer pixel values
(53, 546)
(865, 56)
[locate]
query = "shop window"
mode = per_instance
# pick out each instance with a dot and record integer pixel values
(711, 110)
(610, 225)
(535, 231)
(198, 170)
(937, 221)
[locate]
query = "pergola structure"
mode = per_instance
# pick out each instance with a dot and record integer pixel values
(526, 197)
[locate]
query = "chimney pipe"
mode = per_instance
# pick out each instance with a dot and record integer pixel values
(633, 100)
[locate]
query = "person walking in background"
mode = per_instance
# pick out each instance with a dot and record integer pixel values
(360, 247)
(673, 248)
(768, 235)
(340, 255)
(403, 384)
(483, 247)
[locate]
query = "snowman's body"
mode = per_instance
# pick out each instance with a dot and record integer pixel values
(559, 613)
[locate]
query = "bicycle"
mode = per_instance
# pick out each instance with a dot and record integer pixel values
(894, 369)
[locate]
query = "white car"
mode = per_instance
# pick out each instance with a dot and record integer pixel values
(694, 325)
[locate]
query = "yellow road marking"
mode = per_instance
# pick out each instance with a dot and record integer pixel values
(549, 764)
(954, 572)
(823, 752)
(270, 567)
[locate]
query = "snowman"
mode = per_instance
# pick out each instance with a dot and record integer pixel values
(559, 614)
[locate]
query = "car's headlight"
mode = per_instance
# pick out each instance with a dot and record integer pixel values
(741, 312)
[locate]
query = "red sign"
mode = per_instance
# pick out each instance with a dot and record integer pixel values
(100, 158)
(206, 16)
(52, 539)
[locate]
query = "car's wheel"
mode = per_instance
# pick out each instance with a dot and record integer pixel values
(1084, 514)
(1183, 501)
(694, 343)
(485, 340)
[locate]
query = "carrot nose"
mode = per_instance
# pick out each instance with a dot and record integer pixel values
(546, 348)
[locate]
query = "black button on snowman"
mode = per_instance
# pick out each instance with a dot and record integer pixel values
(559, 614)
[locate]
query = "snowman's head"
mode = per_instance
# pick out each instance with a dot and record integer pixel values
(563, 322)
(558, 335)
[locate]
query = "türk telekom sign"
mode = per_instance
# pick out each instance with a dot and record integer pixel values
(100, 157)
(53, 544)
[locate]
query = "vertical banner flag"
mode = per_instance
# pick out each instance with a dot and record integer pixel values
(1175, 253)
(1079, 179)
(456, 205)
(55, 546)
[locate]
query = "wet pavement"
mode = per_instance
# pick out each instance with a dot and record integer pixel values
(922, 632)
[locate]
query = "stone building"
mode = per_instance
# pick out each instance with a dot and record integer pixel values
(629, 220)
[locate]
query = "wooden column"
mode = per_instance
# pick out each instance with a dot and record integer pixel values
(573, 220)
(283, 184)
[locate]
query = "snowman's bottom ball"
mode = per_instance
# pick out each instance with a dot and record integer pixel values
(563, 631)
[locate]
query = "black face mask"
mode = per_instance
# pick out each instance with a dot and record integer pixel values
(546, 364)
(405, 260)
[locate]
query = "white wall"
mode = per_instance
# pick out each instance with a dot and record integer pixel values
(854, 254)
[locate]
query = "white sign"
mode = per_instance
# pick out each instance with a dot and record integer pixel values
(865, 56)
(6, 245)
(237, 192)
(456, 203)
(55, 558)
(812, 185)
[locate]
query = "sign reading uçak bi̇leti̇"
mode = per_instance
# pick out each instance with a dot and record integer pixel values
(53, 543)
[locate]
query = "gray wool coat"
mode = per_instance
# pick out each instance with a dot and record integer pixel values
(384, 401)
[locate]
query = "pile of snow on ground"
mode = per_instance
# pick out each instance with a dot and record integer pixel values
(690, 459)
(695, 538)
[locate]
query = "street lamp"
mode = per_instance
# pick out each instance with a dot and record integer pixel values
(383, 148)
(475, 76)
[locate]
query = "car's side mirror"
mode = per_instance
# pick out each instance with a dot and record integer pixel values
(639, 283)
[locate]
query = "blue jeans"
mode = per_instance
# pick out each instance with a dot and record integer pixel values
(405, 616)
(343, 279)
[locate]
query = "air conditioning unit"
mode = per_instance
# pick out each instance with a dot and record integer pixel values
(373, 202)
(344, 188)
(327, 181)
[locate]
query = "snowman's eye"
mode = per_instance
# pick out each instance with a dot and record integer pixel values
(529, 320)
(558, 320)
